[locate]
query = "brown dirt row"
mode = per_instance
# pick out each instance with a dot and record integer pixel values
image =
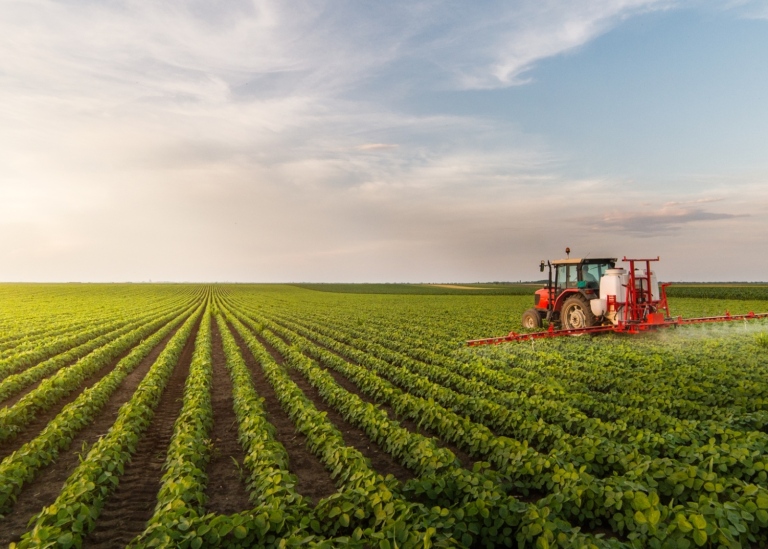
(43, 491)
(33, 428)
(226, 490)
(381, 461)
(313, 481)
(128, 509)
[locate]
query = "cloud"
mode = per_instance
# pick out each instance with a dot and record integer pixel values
(377, 146)
(496, 46)
(749, 9)
(671, 217)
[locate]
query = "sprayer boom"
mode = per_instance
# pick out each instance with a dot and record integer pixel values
(626, 328)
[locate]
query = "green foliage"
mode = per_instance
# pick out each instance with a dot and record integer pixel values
(753, 292)
(609, 442)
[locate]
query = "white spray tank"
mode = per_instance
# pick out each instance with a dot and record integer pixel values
(613, 295)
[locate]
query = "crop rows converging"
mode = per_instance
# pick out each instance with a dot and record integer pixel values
(275, 416)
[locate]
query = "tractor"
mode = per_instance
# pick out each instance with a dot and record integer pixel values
(566, 300)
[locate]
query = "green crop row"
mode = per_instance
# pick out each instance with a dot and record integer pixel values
(14, 384)
(23, 465)
(66, 380)
(79, 328)
(73, 515)
(28, 310)
(592, 450)
(483, 513)
(182, 491)
(720, 291)
(599, 370)
(740, 453)
(587, 486)
(33, 349)
(368, 507)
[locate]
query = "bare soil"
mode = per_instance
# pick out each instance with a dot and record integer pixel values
(313, 481)
(128, 509)
(226, 491)
(44, 490)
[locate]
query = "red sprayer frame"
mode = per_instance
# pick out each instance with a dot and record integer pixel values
(641, 312)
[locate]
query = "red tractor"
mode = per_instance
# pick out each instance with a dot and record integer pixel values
(566, 300)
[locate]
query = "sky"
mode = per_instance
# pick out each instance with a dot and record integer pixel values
(398, 141)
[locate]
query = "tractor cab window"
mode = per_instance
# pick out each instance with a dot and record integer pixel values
(567, 276)
(591, 273)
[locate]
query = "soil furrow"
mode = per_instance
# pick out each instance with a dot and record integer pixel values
(44, 490)
(127, 510)
(313, 480)
(381, 461)
(226, 488)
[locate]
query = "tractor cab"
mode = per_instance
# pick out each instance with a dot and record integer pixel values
(571, 285)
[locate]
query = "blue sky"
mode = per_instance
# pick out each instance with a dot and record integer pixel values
(365, 141)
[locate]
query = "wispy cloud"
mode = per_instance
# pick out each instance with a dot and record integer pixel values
(671, 217)
(377, 146)
(496, 46)
(750, 9)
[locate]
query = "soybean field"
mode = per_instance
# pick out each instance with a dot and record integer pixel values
(172, 415)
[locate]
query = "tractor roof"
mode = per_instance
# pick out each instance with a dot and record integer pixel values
(576, 261)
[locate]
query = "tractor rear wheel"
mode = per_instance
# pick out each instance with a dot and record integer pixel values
(531, 319)
(576, 313)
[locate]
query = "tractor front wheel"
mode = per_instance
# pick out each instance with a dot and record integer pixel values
(576, 313)
(531, 319)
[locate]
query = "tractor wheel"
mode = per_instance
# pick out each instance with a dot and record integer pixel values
(576, 313)
(531, 319)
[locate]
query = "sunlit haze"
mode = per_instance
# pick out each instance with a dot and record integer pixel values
(417, 141)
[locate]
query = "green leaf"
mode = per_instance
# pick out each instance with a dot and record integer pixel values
(762, 501)
(640, 502)
(65, 540)
(683, 524)
(700, 537)
(240, 532)
(699, 522)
